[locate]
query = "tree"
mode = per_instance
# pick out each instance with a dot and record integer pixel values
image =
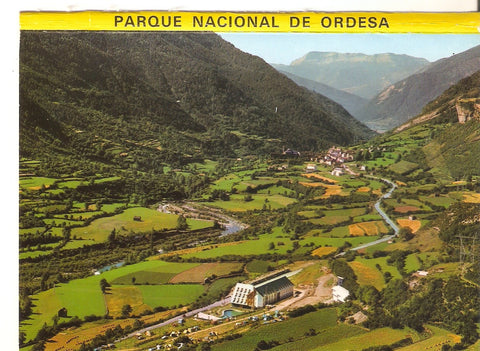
(368, 294)
(263, 345)
(112, 236)
(39, 346)
(182, 223)
(62, 312)
(405, 233)
(204, 346)
(104, 285)
(22, 337)
(126, 310)
(137, 324)
(395, 294)
(66, 233)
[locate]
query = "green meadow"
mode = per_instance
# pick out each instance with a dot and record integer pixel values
(377, 337)
(170, 295)
(123, 223)
(251, 247)
(291, 328)
(83, 297)
(237, 202)
(36, 182)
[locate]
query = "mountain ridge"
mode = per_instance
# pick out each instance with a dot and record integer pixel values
(360, 74)
(351, 102)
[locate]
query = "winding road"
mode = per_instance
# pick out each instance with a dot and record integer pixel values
(387, 219)
(236, 226)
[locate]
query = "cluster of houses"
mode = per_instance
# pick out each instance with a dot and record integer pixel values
(337, 156)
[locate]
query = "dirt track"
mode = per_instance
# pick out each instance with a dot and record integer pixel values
(322, 293)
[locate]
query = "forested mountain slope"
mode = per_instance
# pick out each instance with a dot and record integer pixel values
(188, 95)
(351, 102)
(406, 98)
(456, 112)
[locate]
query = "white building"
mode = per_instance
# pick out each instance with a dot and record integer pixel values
(340, 293)
(311, 168)
(337, 172)
(262, 292)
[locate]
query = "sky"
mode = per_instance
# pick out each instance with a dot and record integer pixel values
(285, 47)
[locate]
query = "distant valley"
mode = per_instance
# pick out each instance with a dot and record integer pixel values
(359, 74)
(397, 86)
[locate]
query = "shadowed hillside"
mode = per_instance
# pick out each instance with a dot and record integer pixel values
(405, 99)
(194, 95)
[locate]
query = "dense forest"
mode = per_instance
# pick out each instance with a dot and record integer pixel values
(194, 95)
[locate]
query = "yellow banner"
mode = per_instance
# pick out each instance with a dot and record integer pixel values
(304, 22)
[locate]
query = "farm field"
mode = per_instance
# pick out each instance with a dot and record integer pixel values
(329, 189)
(251, 247)
(438, 338)
(325, 179)
(309, 273)
(367, 275)
(413, 224)
(83, 297)
(293, 327)
(338, 216)
(367, 271)
(377, 337)
(75, 337)
(368, 228)
(237, 202)
(199, 273)
(46, 249)
(170, 295)
(471, 198)
(412, 263)
(323, 339)
(441, 200)
(407, 209)
(337, 242)
(123, 223)
(322, 251)
(35, 183)
(258, 266)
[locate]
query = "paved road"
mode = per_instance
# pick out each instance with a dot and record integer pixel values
(226, 301)
(175, 319)
(387, 219)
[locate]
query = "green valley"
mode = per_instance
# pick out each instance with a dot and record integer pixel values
(152, 198)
